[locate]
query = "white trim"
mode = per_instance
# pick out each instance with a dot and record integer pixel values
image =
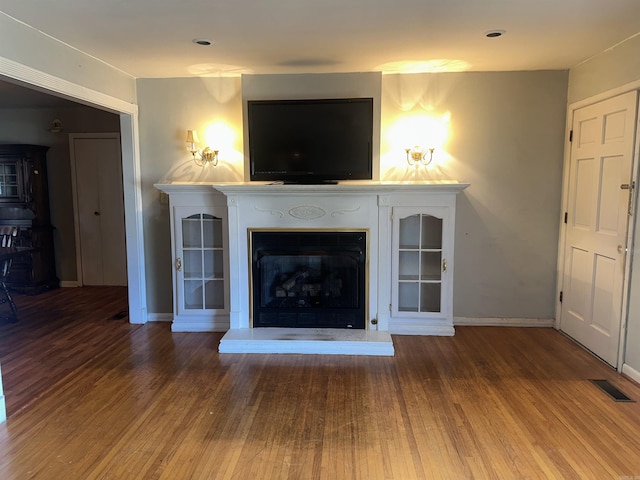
(205, 324)
(68, 284)
(160, 317)
(631, 223)
(504, 322)
(631, 372)
(399, 326)
(614, 92)
(130, 167)
(49, 83)
(133, 218)
(564, 208)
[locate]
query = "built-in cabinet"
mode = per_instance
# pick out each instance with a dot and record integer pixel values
(200, 266)
(422, 262)
(24, 202)
(200, 262)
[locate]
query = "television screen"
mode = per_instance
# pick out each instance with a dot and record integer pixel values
(310, 141)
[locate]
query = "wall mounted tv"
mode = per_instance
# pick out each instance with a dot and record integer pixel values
(310, 141)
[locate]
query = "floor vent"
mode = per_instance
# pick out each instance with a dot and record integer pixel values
(612, 391)
(119, 316)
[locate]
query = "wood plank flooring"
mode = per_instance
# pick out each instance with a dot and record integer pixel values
(90, 396)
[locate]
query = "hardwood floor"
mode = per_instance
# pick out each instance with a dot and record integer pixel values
(91, 397)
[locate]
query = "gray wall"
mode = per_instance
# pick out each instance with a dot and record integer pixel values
(27, 46)
(506, 139)
(26, 125)
(168, 108)
(611, 70)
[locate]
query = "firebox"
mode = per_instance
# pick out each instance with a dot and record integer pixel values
(309, 279)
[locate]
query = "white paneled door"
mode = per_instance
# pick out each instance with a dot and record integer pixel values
(598, 211)
(99, 206)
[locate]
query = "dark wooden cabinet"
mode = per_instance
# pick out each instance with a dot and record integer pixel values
(24, 201)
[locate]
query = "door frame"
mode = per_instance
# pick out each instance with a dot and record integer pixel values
(74, 189)
(571, 109)
(20, 74)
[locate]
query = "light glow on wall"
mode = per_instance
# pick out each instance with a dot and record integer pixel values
(219, 135)
(423, 129)
(222, 136)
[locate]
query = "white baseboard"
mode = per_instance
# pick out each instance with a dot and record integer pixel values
(160, 317)
(504, 322)
(413, 326)
(427, 330)
(631, 372)
(201, 323)
(69, 283)
(199, 327)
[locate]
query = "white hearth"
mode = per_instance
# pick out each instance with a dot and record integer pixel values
(327, 341)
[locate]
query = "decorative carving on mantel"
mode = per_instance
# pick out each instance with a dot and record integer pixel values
(383, 200)
(275, 213)
(345, 210)
(307, 212)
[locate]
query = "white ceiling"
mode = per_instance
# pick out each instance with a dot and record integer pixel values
(153, 38)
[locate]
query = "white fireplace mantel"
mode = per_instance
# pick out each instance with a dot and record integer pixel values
(358, 205)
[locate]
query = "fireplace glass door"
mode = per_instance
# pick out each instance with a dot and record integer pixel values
(309, 279)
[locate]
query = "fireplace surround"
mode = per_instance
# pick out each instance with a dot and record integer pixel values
(377, 209)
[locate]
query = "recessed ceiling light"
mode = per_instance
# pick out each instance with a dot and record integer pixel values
(202, 41)
(495, 33)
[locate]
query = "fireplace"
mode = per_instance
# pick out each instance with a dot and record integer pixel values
(309, 279)
(365, 209)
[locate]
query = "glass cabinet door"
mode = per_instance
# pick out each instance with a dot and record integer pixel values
(10, 178)
(201, 262)
(419, 263)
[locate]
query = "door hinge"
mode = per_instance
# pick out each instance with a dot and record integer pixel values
(389, 307)
(570, 135)
(566, 216)
(560, 297)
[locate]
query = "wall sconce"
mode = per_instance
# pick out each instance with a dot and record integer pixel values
(203, 157)
(56, 126)
(418, 155)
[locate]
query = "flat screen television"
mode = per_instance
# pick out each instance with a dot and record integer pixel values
(310, 141)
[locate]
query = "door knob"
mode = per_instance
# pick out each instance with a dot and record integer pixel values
(97, 214)
(620, 249)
